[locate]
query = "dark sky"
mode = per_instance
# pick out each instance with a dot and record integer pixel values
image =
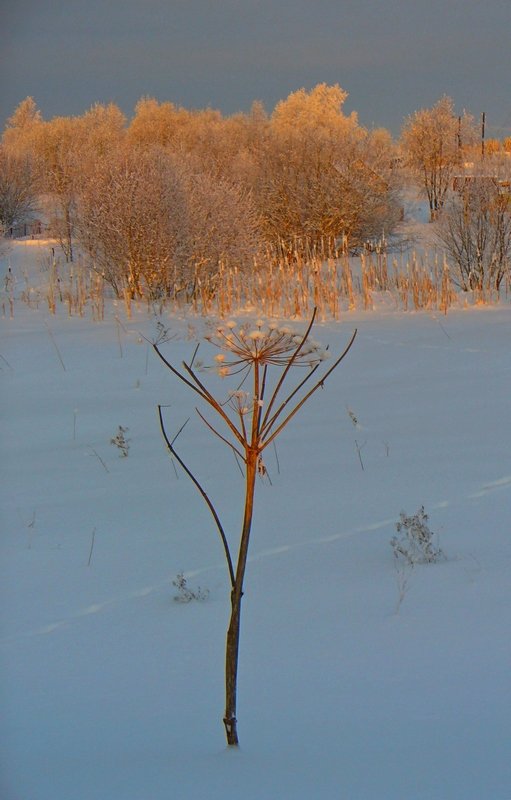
(392, 56)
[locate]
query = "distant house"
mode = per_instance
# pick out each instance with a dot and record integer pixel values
(32, 228)
(469, 178)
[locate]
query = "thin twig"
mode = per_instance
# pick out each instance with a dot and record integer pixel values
(276, 457)
(6, 362)
(194, 354)
(176, 371)
(214, 430)
(270, 423)
(119, 335)
(185, 423)
(206, 395)
(199, 388)
(443, 329)
(92, 546)
(55, 346)
(236, 458)
(359, 448)
(100, 459)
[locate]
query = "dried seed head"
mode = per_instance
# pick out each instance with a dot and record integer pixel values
(263, 344)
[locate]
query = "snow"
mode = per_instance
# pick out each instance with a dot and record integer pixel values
(110, 690)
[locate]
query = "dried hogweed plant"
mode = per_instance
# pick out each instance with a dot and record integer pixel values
(259, 360)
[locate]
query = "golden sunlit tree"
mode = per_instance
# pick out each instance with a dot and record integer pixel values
(434, 141)
(320, 181)
(18, 189)
(306, 176)
(22, 129)
(58, 150)
(102, 130)
(156, 123)
(131, 215)
(155, 227)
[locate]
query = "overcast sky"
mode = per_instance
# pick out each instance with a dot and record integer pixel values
(392, 56)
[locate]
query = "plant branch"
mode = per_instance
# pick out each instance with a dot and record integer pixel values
(304, 399)
(176, 371)
(208, 502)
(206, 395)
(288, 367)
(213, 430)
(270, 423)
(199, 388)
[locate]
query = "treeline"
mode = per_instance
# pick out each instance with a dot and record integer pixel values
(165, 202)
(155, 201)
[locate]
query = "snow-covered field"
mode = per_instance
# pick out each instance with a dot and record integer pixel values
(111, 690)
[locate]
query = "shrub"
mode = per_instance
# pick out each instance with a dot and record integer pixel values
(415, 542)
(184, 593)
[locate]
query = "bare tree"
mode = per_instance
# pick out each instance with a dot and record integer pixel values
(251, 419)
(475, 230)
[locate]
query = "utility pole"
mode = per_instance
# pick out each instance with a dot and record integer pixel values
(483, 123)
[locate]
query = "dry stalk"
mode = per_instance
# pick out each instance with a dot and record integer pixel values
(252, 419)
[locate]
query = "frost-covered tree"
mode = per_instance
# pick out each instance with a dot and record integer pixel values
(60, 151)
(18, 189)
(102, 130)
(433, 142)
(153, 225)
(318, 111)
(307, 172)
(224, 227)
(156, 123)
(319, 178)
(22, 129)
(58, 154)
(131, 215)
